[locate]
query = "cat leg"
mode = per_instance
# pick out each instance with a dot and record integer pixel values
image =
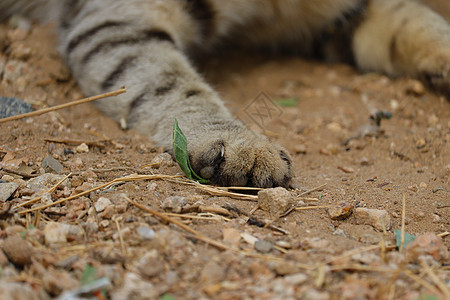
(142, 45)
(404, 37)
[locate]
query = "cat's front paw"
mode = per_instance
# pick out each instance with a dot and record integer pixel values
(435, 72)
(438, 82)
(240, 158)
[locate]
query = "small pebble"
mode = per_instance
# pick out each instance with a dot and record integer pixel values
(436, 218)
(152, 186)
(286, 268)
(18, 250)
(104, 223)
(420, 215)
(394, 104)
(339, 232)
(78, 163)
(101, 204)
(423, 185)
(413, 187)
(300, 149)
(174, 203)
(296, 279)
(415, 87)
(284, 244)
(334, 127)
(82, 148)
(90, 227)
(163, 160)
(263, 246)
(340, 212)
(346, 169)
(318, 243)
(364, 161)
(108, 212)
(275, 200)
(379, 219)
(52, 165)
(145, 232)
(7, 189)
(56, 232)
(7, 178)
(420, 143)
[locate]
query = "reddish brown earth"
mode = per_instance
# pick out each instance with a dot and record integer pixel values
(410, 157)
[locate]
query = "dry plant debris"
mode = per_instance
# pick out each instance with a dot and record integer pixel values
(102, 228)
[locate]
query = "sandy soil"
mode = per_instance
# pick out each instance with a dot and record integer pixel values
(410, 157)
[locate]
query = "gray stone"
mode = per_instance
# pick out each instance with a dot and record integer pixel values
(52, 165)
(13, 106)
(263, 246)
(101, 204)
(145, 232)
(46, 181)
(7, 189)
(174, 203)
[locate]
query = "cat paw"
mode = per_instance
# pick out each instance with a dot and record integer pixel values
(240, 158)
(439, 83)
(436, 75)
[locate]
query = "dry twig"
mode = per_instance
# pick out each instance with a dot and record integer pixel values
(121, 179)
(65, 105)
(24, 175)
(421, 282)
(51, 190)
(99, 144)
(442, 286)
(312, 190)
(312, 207)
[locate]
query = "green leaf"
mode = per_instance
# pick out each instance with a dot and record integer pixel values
(181, 154)
(398, 238)
(427, 297)
(287, 102)
(166, 297)
(88, 274)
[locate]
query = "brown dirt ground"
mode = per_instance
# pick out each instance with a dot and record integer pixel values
(411, 158)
